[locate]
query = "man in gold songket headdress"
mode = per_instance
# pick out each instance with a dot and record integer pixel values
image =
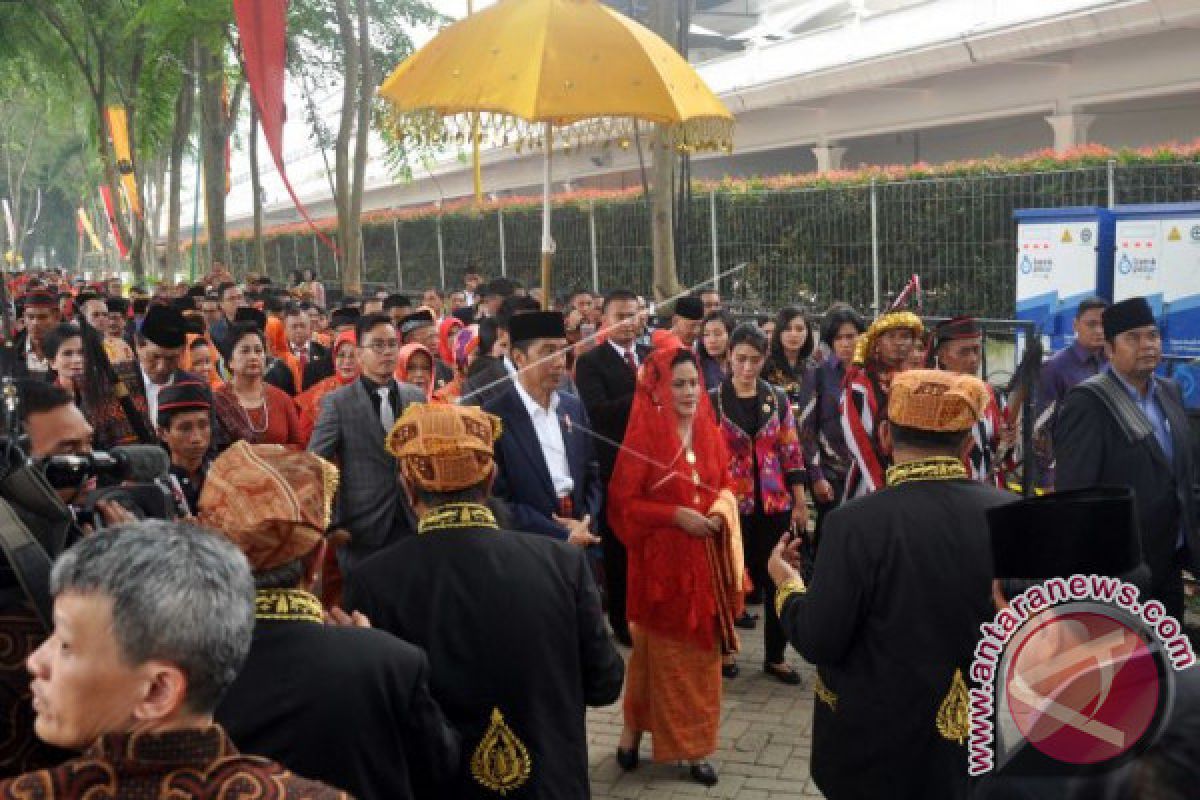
(882, 352)
(892, 615)
(512, 623)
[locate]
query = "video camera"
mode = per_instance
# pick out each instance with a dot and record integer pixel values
(36, 526)
(135, 476)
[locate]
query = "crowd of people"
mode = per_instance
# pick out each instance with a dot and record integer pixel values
(412, 533)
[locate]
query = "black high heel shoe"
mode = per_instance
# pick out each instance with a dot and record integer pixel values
(785, 674)
(627, 759)
(703, 773)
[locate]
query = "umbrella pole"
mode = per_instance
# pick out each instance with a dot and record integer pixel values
(547, 241)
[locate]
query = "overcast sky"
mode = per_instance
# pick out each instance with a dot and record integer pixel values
(451, 8)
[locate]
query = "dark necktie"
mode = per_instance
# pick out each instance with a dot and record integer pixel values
(629, 359)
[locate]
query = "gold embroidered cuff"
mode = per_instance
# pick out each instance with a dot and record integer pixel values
(786, 590)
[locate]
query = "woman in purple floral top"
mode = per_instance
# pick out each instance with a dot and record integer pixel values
(767, 465)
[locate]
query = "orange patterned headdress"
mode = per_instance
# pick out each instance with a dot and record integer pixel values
(272, 502)
(444, 448)
(936, 401)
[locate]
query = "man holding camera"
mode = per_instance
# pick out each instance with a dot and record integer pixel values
(54, 426)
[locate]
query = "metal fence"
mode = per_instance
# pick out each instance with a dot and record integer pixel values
(855, 244)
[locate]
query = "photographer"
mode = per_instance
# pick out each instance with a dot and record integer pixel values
(55, 426)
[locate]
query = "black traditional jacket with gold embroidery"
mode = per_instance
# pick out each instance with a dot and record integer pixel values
(516, 642)
(348, 706)
(891, 619)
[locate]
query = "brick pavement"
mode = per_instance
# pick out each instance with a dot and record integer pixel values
(763, 749)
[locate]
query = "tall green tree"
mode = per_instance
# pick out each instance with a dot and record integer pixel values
(352, 45)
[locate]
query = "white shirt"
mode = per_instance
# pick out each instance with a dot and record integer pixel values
(34, 362)
(152, 390)
(511, 369)
(621, 351)
(550, 437)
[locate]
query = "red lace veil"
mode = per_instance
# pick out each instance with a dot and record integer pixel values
(653, 426)
(652, 468)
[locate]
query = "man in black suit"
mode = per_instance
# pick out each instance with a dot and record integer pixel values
(1126, 427)
(343, 704)
(511, 623)
(607, 377)
(904, 577)
(298, 327)
(159, 345)
(547, 472)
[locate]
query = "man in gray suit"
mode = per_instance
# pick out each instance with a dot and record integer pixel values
(351, 430)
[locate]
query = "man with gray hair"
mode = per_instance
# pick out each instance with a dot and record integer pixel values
(152, 622)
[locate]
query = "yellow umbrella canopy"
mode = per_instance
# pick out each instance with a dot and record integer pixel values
(575, 65)
(560, 62)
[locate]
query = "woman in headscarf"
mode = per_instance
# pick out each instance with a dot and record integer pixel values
(199, 358)
(345, 372)
(465, 344)
(415, 365)
(448, 330)
(670, 502)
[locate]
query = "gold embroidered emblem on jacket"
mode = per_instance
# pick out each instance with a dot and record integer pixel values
(501, 761)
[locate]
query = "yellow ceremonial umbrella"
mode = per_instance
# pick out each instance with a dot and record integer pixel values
(576, 68)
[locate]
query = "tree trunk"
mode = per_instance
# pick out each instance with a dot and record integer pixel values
(154, 204)
(347, 231)
(664, 16)
(212, 142)
(354, 267)
(179, 136)
(260, 255)
(137, 262)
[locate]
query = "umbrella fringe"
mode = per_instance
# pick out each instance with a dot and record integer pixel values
(430, 128)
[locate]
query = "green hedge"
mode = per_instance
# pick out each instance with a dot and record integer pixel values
(808, 245)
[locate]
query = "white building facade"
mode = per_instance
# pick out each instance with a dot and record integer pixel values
(822, 85)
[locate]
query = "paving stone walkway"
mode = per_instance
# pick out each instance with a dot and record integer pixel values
(763, 751)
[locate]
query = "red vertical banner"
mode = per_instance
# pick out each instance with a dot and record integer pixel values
(262, 25)
(110, 212)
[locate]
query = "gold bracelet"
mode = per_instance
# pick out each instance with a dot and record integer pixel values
(787, 589)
